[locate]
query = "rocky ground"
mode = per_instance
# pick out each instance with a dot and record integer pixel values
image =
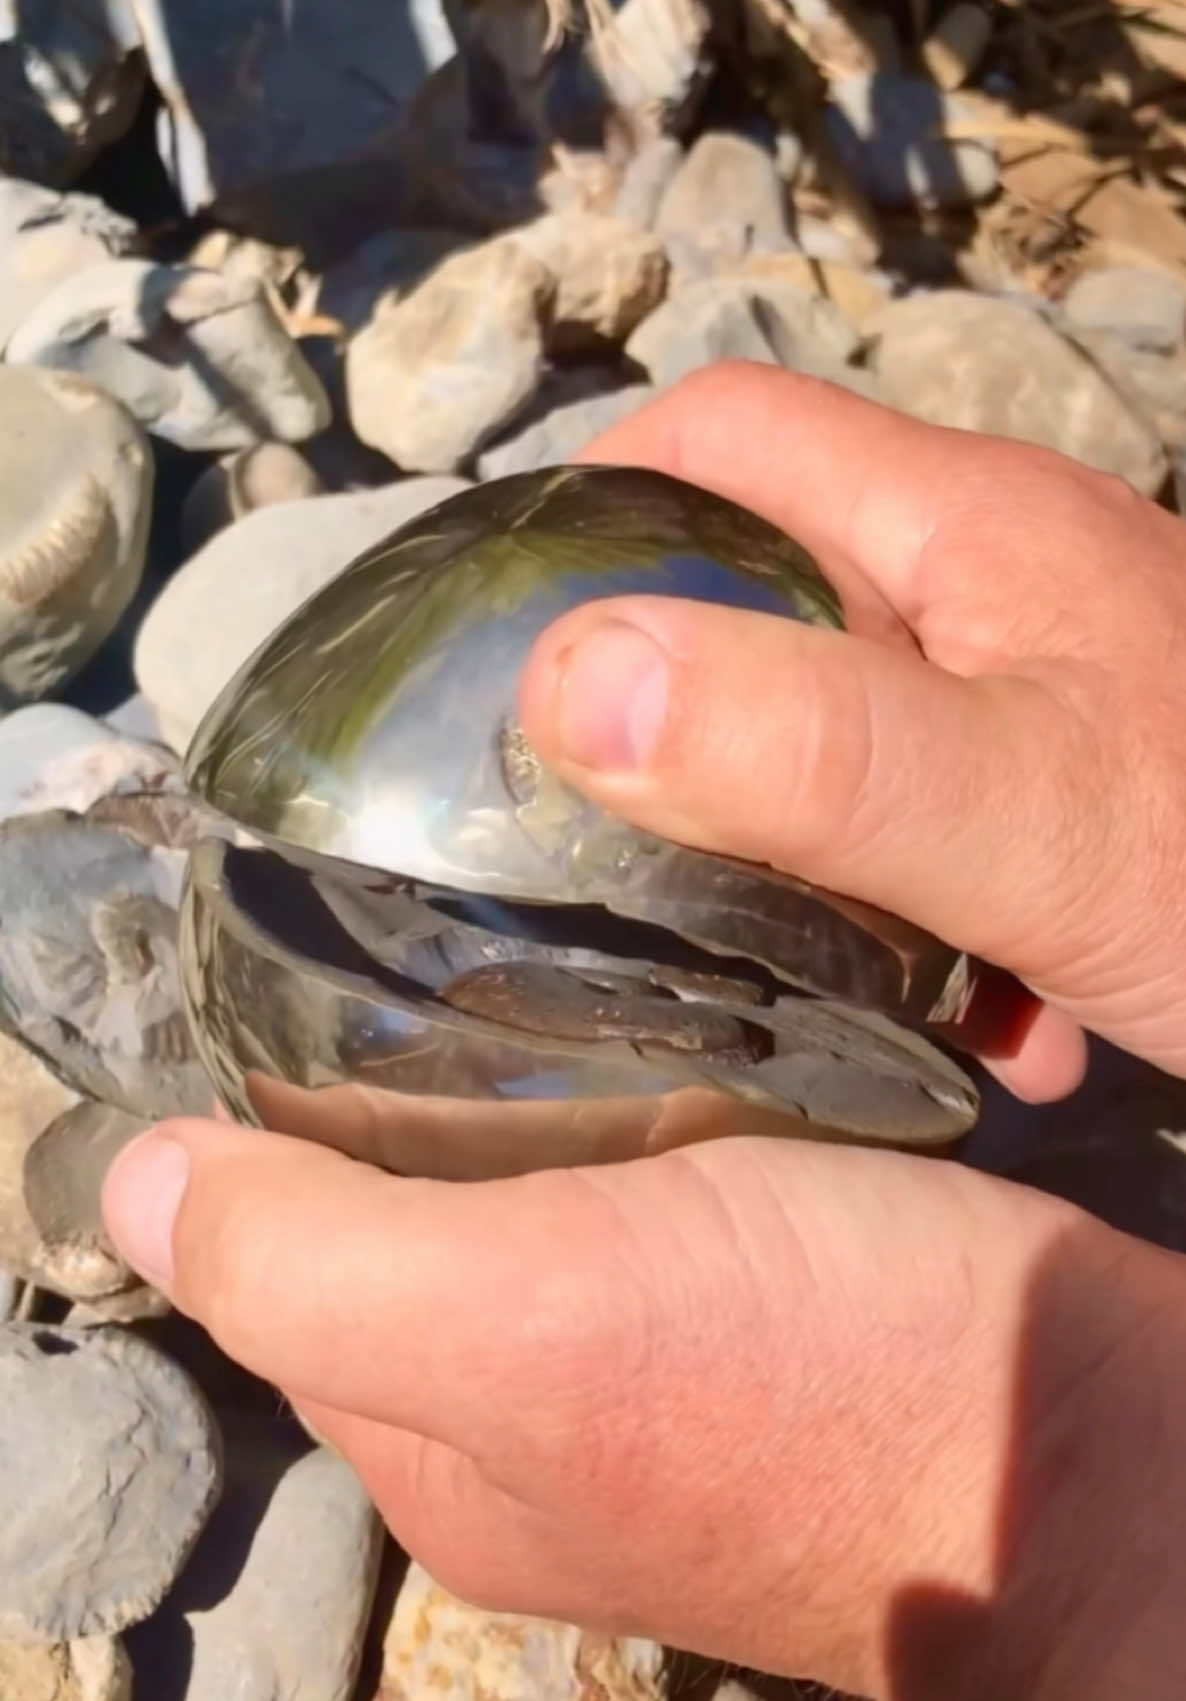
(271, 284)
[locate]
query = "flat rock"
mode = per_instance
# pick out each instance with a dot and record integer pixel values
(275, 1602)
(883, 125)
(70, 83)
(45, 237)
(256, 92)
(436, 374)
(221, 605)
(63, 1177)
(725, 200)
(31, 1098)
(110, 1469)
(980, 364)
(93, 1668)
(1137, 304)
(562, 431)
(76, 485)
(88, 961)
(437, 1645)
(198, 358)
(55, 757)
(609, 275)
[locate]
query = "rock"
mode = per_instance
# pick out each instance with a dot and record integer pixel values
(110, 1468)
(46, 237)
(63, 1177)
(93, 1668)
(54, 757)
(645, 180)
(953, 50)
(11, 1289)
(557, 436)
(275, 1602)
(1154, 385)
(239, 484)
(743, 318)
(435, 375)
(855, 294)
(656, 59)
(1140, 306)
(883, 128)
(460, 179)
(701, 323)
(198, 358)
(390, 264)
(221, 605)
(237, 256)
(134, 719)
(437, 1645)
(526, 79)
(964, 360)
(88, 962)
(31, 1097)
(76, 480)
(609, 275)
(70, 83)
(256, 93)
(726, 199)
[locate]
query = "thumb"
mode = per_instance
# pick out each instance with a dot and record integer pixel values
(860, 767)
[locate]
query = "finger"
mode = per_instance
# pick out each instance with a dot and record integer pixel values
(414, 1303)
(858, 767)
(857, 484)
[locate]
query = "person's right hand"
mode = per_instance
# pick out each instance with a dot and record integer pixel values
(999, 754)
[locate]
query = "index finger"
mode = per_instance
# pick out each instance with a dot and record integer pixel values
(862, 487)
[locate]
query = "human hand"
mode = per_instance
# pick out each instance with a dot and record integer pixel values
(846, 1414)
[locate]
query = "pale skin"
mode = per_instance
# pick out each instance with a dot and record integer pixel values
(873, 1419)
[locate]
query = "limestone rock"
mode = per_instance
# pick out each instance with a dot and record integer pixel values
(88, 961)
(645, 179)
(1154, 385)
(221, 605)
(70, 83)
(560, 432)
(726, 199)
(45, 237)
(197, 358)
(698, 325)
(277, 1597)
(76, 482)
(883, 127)
(609, 275)
(110, 1468)
(656, 58)
(1142, 307)
(964, 360)
(389, 265)
(436, 1644)
(435, 375)
(93, 1668)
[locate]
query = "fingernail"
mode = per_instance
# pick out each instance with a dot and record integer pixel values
(141, 1197)
(613, 697)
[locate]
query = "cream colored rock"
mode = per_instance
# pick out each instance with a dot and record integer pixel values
(239, 484)
(435, 375)
(94, 1668)
(75, 494)
(438, 1646)
(979, 364)
(609, 274)
(725, 199)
